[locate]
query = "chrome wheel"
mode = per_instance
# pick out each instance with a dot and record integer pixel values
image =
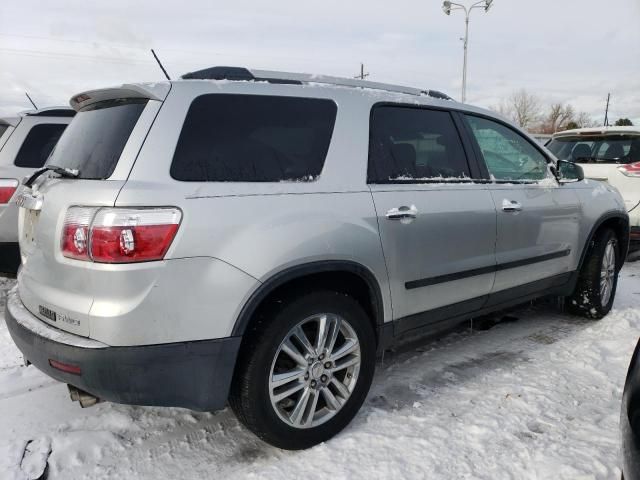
(314, 371)
(607, 272)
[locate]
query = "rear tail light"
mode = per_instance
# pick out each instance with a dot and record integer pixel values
(75, 232)
(7, 189)
(631, 169)
(126, 235)
(119, 235)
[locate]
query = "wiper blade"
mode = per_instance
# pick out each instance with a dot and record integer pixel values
(63, 172)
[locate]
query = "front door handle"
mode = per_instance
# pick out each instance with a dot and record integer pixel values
(404, 214)
(511, 206)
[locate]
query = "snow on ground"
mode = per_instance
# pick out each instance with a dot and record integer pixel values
(535, 396)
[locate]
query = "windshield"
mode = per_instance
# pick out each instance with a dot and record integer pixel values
(94, 140)
(598, 149)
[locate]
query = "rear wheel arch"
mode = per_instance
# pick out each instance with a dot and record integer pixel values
(617, 222)
(344, 276)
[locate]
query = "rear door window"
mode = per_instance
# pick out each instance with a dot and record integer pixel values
(38, 144)
(409, 144)
(508, 155)
(253, 138)
(3, 128)
(95, 139)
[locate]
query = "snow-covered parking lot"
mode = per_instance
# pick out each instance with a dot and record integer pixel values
(535, 396)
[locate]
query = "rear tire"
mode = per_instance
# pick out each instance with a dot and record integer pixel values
(326, 395)
(598, 278)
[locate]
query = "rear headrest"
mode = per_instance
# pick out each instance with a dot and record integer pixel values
(614, 150)
(404, 159)
(581, 150)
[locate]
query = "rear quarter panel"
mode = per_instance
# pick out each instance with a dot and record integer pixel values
(262, 229)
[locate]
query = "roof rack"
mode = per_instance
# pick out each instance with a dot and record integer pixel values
(244, 74)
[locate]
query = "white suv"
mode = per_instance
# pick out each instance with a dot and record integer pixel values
(608, 154)
(25, 144)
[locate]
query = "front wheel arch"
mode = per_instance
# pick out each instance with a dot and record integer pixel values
(619, 223)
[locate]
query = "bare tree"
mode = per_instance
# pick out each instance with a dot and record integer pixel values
(526, 107)
(522, 107)
(557, 118)
(583, 119)
(526, 110)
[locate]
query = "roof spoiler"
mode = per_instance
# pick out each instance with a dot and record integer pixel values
(11, 121)
(152, 91)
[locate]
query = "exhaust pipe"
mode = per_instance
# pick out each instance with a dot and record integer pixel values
(86, 399)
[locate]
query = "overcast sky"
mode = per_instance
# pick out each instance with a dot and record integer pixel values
(572, 51)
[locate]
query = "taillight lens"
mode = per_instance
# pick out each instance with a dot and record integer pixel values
(119, 235)
(75, 232)
(7, 189)
(631, 169)
(133, 235)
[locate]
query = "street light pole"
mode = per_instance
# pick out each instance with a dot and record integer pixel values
(464, 63)
(447, 7)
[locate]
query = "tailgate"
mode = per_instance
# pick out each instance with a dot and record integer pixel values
(101, 143)
(57, 289)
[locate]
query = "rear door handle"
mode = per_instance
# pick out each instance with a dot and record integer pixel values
(404, 214)
(511, 206)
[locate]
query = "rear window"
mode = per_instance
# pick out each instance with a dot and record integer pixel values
(253, 138)
(93, 142)
(3, 128)
(410, 144)
(38, 144)
(598, 149)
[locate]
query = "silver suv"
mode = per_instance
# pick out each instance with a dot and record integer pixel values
(26, 141)
(258, 237)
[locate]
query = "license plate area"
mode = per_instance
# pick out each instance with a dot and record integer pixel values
(31, 219)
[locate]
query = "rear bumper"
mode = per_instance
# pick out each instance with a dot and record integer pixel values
(195, 375)
(9, 258)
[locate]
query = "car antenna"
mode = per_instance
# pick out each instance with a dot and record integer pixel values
(160, 63)
(32, 102)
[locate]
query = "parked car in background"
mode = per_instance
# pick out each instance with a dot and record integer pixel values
(608, 154)
(25, 143)
(630, 420)
(258, 236)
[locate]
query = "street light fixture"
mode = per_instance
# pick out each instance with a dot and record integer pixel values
(447, 8)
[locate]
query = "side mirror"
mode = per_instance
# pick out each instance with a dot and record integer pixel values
(569, 172)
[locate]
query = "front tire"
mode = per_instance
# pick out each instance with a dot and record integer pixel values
(305, 369)
(598, 278)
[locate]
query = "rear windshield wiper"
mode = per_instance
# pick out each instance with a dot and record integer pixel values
(63, 172)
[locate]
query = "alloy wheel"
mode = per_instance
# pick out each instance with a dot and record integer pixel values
(314, 371)
(607, 272)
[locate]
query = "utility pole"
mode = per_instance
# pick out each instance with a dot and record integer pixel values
(362, 75)
(606, 111)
